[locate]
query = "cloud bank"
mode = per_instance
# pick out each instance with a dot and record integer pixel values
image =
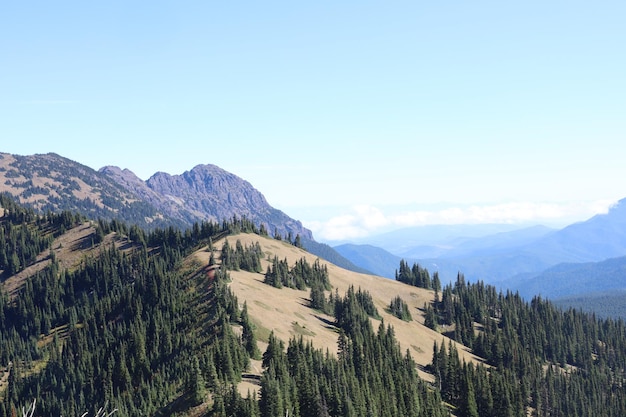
(364, 220)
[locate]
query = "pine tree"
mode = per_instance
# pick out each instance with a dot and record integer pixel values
(248, 337)
(197, 388)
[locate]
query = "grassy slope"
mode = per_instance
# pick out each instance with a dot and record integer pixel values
(286, 311)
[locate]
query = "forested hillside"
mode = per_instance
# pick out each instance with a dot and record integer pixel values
(143, 328)
(538, 358)
(168, 322)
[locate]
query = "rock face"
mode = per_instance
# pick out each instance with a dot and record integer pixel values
(207, 192)
(131, 182)
(210, 192)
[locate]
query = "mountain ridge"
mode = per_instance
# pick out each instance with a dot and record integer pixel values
(53, 182)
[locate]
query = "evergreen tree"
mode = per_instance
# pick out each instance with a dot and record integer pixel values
(197, 388)
(400, 309)
(248, 337)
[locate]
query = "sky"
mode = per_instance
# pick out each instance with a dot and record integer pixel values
(354, 117)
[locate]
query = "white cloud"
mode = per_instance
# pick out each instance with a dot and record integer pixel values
(363, 220)
(371, 217)
(338, 228)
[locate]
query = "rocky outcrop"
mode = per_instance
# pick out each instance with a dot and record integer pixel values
(212, 193)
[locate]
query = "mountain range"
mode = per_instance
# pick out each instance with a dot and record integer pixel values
(206, 192)
(574, 260)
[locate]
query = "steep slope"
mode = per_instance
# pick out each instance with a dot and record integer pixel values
(131, 182)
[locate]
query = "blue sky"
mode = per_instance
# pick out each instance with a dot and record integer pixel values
(352, 116)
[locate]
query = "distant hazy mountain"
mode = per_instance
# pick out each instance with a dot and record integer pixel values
(432, 240)
(329, 253)
(469, 255)
(372, 258)
(601, 237)
(566, 280)
(385, 264)
(498, 257)
(607, 304)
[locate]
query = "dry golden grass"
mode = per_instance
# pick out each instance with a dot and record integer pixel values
(285, 311)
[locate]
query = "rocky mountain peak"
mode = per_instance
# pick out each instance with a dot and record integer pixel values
(212, 193)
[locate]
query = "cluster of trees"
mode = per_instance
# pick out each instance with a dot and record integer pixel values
(399, 308)
(417, 276)
(539, 358)
(369, 376)
(356, 305)
(301, 276)
(135, 328)
(247, 258)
